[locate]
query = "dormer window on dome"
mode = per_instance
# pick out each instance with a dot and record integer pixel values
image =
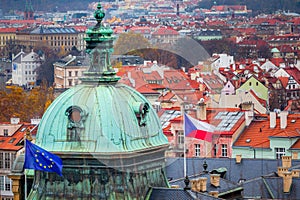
(141, 110)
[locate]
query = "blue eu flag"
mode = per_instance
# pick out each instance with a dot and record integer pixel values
(40, 159)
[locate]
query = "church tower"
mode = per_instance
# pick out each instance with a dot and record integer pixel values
(28, 13)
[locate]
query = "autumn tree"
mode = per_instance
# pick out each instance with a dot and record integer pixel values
(130, 42)
(26, 105)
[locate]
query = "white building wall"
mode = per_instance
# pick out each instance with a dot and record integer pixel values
(24, 69)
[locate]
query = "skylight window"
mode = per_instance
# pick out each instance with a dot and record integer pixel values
(12, 140)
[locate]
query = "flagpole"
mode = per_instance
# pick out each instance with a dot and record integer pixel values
(184, 148)
(25, 185)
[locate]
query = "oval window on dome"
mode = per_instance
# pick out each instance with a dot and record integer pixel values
(74, 114)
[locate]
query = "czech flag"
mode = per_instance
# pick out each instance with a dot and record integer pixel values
(198, 129)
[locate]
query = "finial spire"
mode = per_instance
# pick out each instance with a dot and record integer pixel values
(100, 46)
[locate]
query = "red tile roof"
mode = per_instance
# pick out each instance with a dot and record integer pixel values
(284, 81)
(213, 82)
(294, 72)
(145, 89)
(165, 31)
(177, 80)
(11, 143)
(277, 61)
(8, 30)
(296, 145)
(258, 133)
(190, 96)
(167, 96)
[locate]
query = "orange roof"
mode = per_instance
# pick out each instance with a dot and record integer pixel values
(145, 89)
(277, 61)
(284, 81)
(294, 72)
(190, 96)
(165, 31)
(296, 145)
(8, 30)
(11, 143)
(258, 133)
(166, 97)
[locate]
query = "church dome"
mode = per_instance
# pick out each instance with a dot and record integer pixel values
(100, 115)
(107, 134)
(104, 118)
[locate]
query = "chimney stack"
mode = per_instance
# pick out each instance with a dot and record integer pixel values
(238, 159)
(214, 193)
(202, 183)
(283, 119)
(194, 185)
(201, 111)
(249, 117)
(215, 180)
(287, 181)
(296, 173)
(14, 120)
(295, 155)
(272, 119)
(286, 161)
(281, 170)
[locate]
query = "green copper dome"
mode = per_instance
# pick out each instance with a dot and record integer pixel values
(108, 135)
(106, 118)
(100, 115)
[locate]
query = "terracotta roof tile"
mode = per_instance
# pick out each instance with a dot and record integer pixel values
(294, 72)
(167, 96)
(11, 143)
(284, 81)
(258, 133)
(165, 31)
(8, 30)
(296, 145)
(145, 89)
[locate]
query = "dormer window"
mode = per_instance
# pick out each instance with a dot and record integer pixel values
(141, 110)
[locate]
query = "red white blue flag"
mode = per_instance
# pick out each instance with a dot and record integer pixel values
(198, 129)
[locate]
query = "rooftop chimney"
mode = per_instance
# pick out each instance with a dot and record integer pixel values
(281, 170)
(14, 120)
(202, 181)
(201, 111)
(247, 105)
(272, 119)
(215, 180)
(296, 173)
(35, 121)
(194, 184)
(283, 119)
(248, 117)
(214, 193)
(286, 161)
(295, 155)
(287, 181)
(238, 159)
